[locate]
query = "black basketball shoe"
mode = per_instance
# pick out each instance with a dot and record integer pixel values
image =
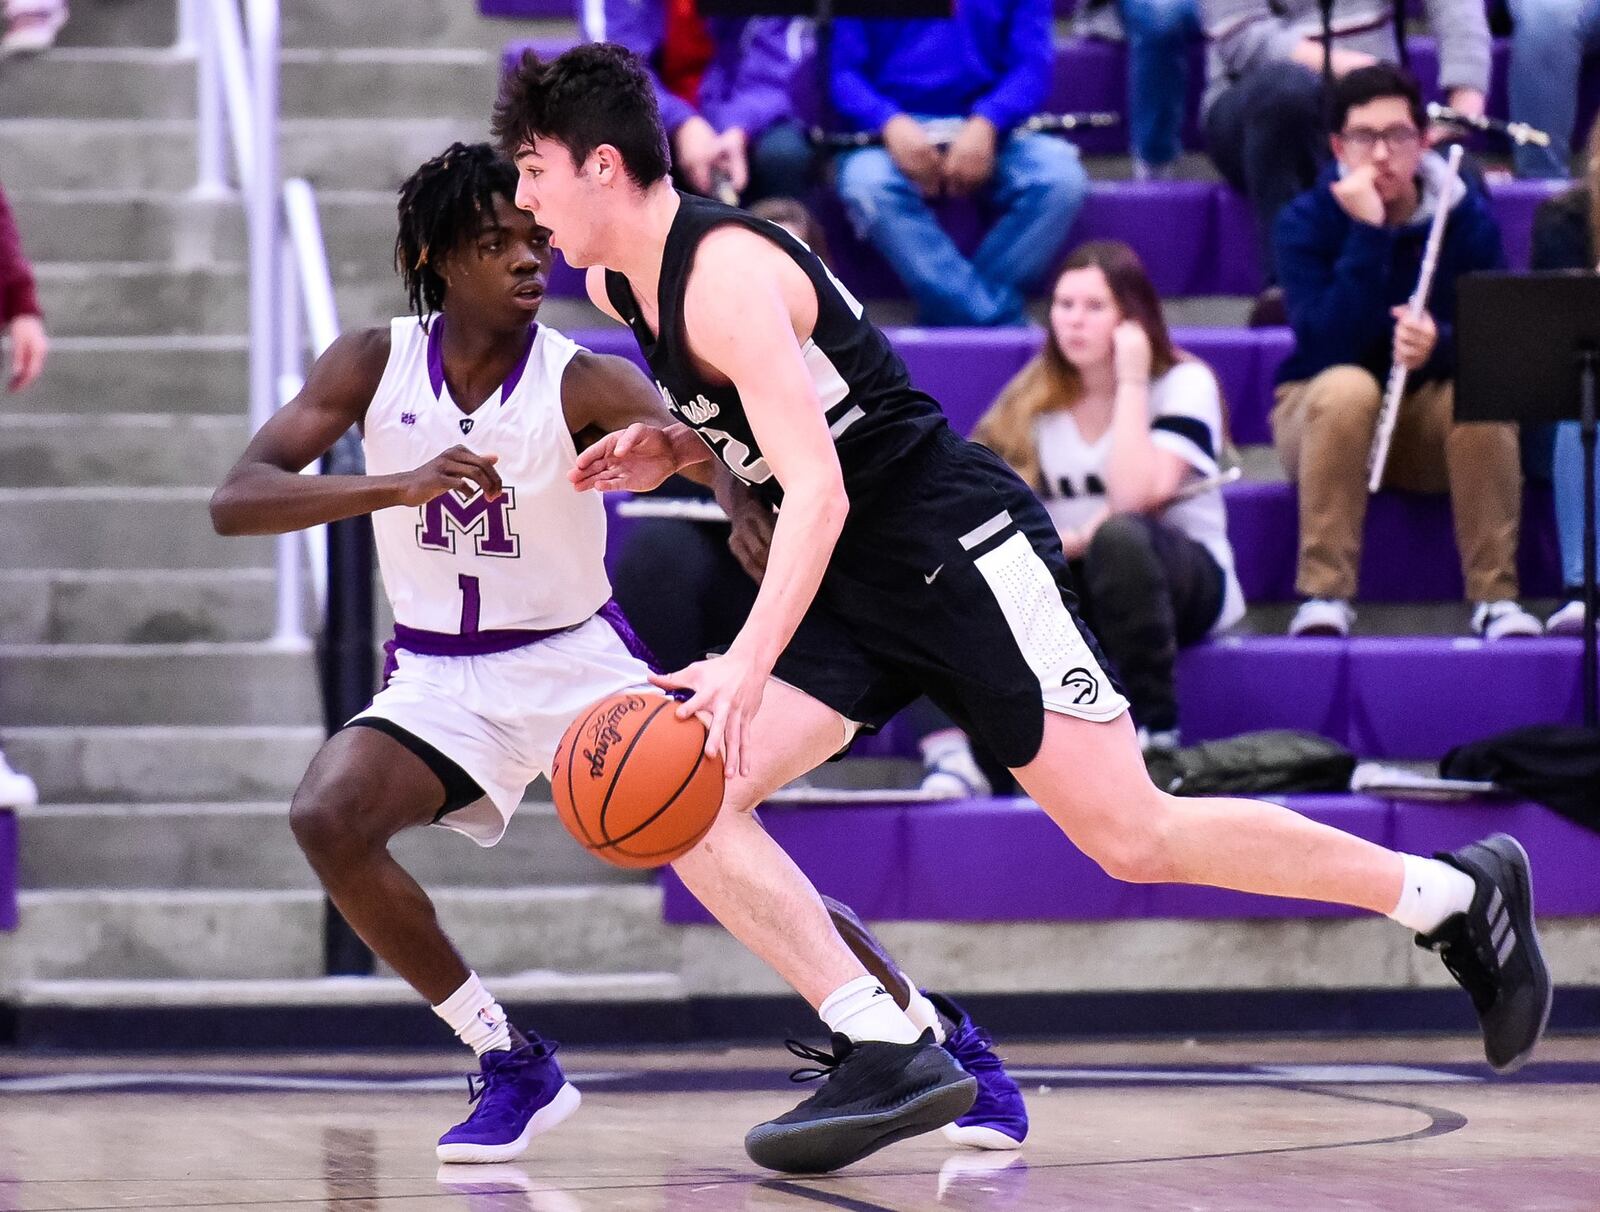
(1493, 950)
(874, 1095)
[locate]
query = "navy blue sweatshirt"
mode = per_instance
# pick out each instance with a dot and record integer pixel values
(1340, 278)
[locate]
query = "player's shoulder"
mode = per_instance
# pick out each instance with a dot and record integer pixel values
(354, 364)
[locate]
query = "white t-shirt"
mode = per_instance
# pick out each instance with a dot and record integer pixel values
(1186, 419)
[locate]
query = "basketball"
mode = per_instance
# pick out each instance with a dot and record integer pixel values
(632, 781)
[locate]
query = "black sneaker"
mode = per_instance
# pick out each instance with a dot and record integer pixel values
(875, 1094)
(1493, 950)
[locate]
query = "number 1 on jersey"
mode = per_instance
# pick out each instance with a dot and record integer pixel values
(471, 603)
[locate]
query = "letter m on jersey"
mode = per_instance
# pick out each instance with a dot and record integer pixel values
(488, 522)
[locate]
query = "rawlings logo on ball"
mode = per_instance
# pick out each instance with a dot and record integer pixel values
(604, 734)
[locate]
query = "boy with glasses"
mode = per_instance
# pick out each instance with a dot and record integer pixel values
(1349, 254)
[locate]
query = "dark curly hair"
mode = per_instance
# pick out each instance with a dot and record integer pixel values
(592, 94)
(442, 205)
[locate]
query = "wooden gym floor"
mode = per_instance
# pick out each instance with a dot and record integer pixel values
(1409, 1125)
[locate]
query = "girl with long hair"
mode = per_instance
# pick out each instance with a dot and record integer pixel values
(1113, 426)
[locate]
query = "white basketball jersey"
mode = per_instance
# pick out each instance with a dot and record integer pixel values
(533, 558)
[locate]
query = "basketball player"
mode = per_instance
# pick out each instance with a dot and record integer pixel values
(907, 560)
(504, 634)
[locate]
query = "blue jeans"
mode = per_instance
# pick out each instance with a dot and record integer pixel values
(1036, 192)
(1555, 453)
(1159, 33)
(1548, 42)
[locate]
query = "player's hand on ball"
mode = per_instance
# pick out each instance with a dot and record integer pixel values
(635, 459)
(456, 470)
(1413, 339)
(725, 693)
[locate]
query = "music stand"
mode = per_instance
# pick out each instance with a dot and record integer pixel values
(1528, 350)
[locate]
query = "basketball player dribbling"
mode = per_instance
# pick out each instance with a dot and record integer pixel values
(907, 560)
(471, 415)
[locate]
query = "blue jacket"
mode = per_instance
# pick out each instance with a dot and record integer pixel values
(992, 58)
(1340, 277)
(745, 85)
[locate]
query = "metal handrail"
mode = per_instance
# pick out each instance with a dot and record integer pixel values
(237, 106)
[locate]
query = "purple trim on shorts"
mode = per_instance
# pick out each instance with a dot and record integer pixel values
(436, 359)
(488, 643)
(612, 613)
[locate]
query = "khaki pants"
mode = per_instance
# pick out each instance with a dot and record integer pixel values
(1322, 429)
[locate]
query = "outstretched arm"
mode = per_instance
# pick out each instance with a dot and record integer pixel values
(628, 440)
(265, 494)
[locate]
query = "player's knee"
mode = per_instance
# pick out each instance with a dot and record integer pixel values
(1138, 851)
(329, 826)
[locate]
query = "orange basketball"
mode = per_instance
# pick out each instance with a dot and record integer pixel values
(632, 781)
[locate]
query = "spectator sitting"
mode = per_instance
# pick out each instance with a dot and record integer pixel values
(1565, 237)
(1349, 256)
(1111, 424)
(987, 68)
(31, 26)
(1158, 34)
(19, 319)
(723, 85)
(1548, 41)
(1264, 110)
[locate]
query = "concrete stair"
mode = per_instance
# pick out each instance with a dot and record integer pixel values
(137, 683)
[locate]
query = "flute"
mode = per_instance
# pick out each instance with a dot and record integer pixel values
(1519, 133)
(1419, 299)
(942, 131)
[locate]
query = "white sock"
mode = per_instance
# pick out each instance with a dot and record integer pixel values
(476, 1017)
(923, 1014)
(863, 1010)
(1432, 892)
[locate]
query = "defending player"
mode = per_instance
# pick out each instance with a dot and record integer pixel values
(905, 559)
(504, 633)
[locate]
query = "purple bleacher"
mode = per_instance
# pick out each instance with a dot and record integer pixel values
(1003, 860)
(1417, 696)
(1402, 698)
(1409, 554)
(1195, 237)
(8, 869)
(1246, 683)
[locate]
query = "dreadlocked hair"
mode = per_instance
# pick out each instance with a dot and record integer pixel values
(443, 204)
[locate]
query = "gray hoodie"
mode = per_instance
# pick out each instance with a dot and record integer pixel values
(1246, 34)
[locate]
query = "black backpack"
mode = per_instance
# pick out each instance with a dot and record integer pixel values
(1556, 765)
(1255, 763)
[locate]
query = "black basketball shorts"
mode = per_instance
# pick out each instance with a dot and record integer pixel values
(950, 581)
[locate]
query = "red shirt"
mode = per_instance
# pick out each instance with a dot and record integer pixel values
(17, 297)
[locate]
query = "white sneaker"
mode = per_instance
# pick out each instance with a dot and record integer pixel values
(1566, 621)
(1503, 620)
(955, 775)
(16, 790)
(1165, 739)
(33, 32)
(1323, 616)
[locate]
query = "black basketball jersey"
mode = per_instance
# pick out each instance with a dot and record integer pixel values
(874, 414)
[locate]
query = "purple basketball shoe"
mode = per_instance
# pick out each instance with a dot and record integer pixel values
(998, 1119)
(520, 1094)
